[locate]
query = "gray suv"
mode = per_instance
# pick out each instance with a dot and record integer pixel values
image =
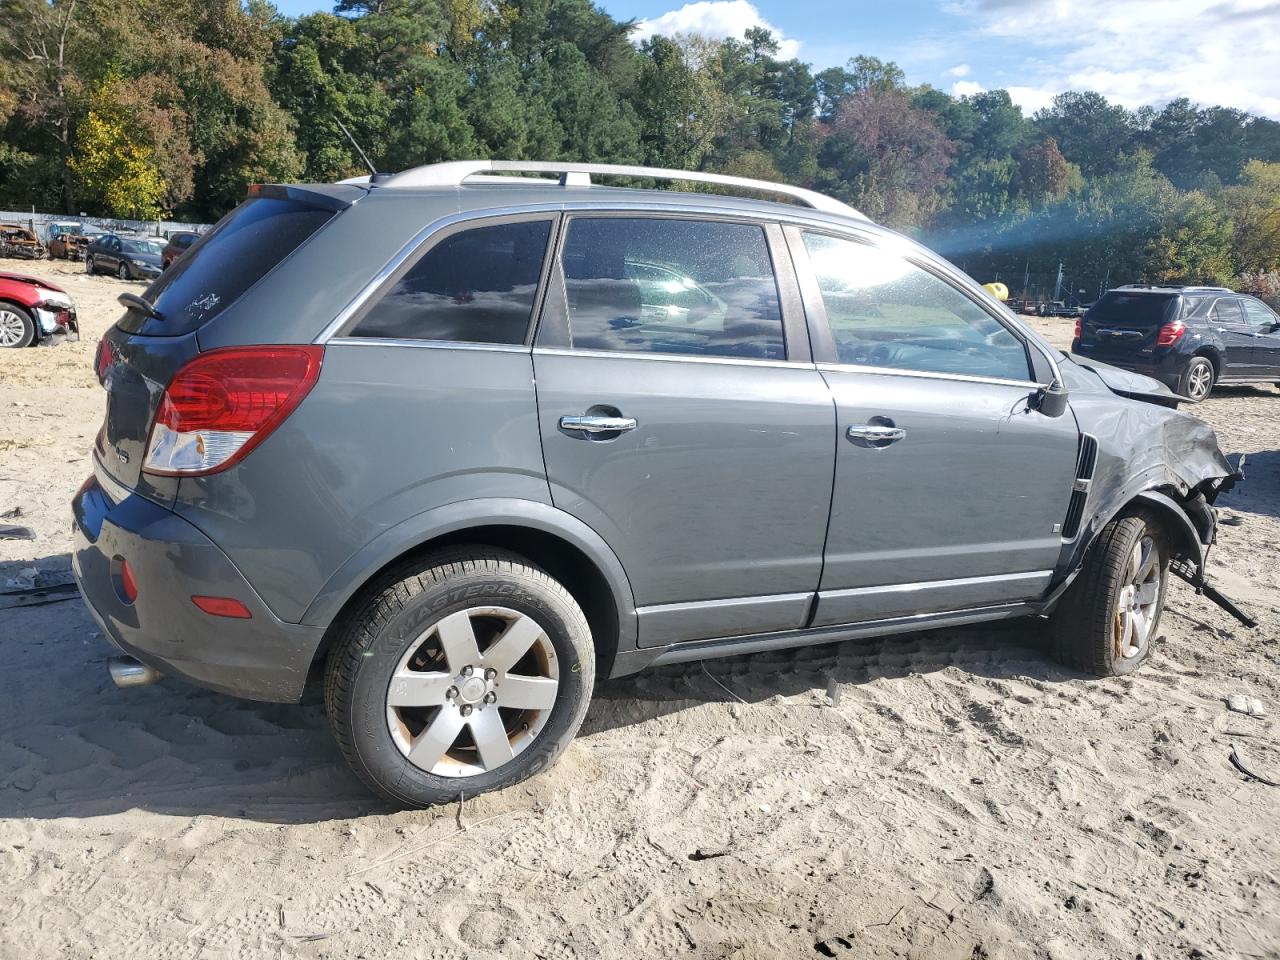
(459, 443)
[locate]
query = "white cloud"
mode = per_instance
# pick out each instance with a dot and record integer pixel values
(1140, 52)
(966, 88)
(959, 70)
(715, 18)
(1031, 99)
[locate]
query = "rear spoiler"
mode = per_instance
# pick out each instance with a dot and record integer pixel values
(327, 196)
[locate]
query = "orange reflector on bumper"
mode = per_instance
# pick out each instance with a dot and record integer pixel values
(223, 607)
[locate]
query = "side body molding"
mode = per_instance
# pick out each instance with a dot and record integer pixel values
(466, 514)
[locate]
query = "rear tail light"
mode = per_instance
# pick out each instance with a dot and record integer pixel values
(106, 355)
(1170, 333)
(1079, 326)
(224, 403)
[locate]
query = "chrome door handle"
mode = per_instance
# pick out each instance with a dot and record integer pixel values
(598, 424)
(875, 434)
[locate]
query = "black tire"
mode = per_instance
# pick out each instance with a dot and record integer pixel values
(17, 326)
(406, 606)
(89, 266)
(122, 271)
(1198, 379)
(1085, 628)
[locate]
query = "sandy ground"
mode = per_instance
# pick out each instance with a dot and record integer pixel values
(966, 797)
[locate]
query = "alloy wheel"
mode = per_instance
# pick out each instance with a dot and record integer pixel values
(1137, 605)
(472, 692)
(1199, 380)
(12, 329)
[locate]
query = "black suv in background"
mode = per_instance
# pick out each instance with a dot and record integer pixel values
(1191, 338)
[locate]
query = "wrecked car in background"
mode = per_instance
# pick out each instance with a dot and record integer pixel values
(33, 310)
(67, 240)
(632, 427)
(20, 243)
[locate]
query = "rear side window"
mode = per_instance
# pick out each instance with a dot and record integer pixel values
(651, 285)
(238, 252)
(1228, 311)
(477, 286)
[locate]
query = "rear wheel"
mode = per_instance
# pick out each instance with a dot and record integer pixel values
(17, 328)
(1108, 618)
(468, 672)
(1197, 382)
(88, 264)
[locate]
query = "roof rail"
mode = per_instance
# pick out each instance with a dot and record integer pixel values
(454, 173)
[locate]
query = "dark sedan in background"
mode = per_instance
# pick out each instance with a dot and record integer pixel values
(129, 258)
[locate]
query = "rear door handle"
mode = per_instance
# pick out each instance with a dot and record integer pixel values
(593, 424)
(875, 434)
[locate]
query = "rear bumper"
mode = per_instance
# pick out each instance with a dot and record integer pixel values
(1168, 367)
(261, 658)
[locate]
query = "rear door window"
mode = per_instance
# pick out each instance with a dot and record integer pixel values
(246, 245)
(1228, 310)
(475, 286)
(656, 285)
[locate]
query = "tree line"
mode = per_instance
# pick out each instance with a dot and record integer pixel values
(144, 108)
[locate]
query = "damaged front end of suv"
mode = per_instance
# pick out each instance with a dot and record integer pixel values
(1144, 454)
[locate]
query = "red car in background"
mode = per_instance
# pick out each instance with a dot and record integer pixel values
(32, 310)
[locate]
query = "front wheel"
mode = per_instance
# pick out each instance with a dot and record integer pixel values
(468, 672)
(1108, 618)
(123, 271)
(1197, 382)
(17, 328)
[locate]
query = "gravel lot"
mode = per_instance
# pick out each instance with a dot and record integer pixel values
(967, 797)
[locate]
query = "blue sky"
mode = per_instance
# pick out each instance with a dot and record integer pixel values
(1133, 51)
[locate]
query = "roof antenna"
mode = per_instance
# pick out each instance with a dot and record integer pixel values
(373, 171)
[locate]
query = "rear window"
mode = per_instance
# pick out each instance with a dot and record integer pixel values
(1134, 309)
(239, 251)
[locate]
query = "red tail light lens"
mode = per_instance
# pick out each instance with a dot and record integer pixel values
(1170, 333)
(224, 403)
(1079, 325)
(223, 607)
(106, 354)
(128, 585)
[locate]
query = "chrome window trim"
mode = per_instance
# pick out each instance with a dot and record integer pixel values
(430, 344)
(931, 375)
(801, 217)
(620, 205)
(670, 358)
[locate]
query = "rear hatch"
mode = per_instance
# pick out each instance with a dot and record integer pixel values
(1124, 324)
(139, 356)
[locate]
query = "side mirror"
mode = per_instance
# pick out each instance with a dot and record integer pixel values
(1051, 401)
